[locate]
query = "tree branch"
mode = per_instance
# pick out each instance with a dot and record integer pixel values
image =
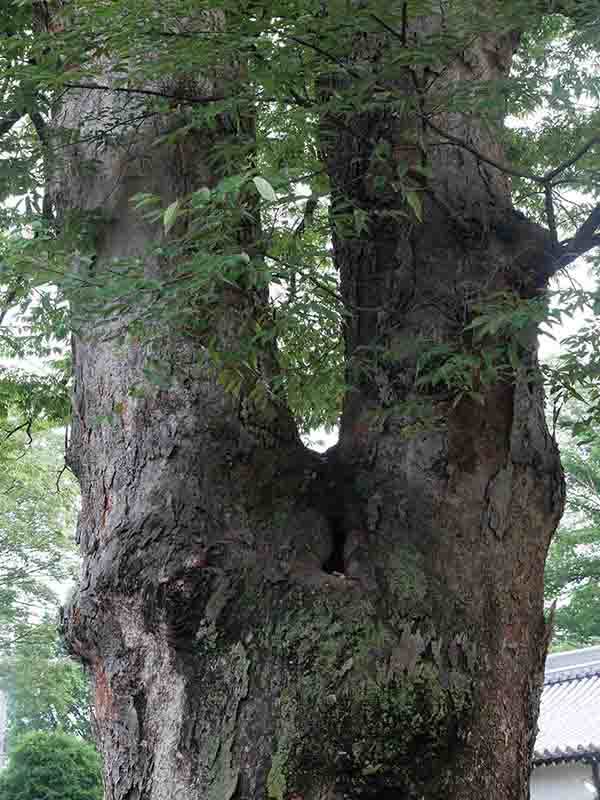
(8, 303)
(39, 125)
(508, 170)
(326, 54)
(586, 238)
(587, 230)
(148, 92)
(547, 178)
(42, 131)
(543, 180)
(25, 425)
(307, 217)
(294, 98)
(563, 253)
(9, 120)
(550, 215)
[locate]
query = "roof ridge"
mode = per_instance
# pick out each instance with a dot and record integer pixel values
(548, 756)
(572, 674)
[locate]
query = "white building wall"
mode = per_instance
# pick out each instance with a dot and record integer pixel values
(562, 782)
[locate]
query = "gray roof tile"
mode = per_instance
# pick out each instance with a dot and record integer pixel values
(569, 721)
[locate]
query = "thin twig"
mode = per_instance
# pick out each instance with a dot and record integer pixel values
(516, 173)
(63, 469)
(573, 160)
(180, 98)
(396, 34)
(329, 56)
(543, 180)
(25, 425)
(550, 216)
(147, 92)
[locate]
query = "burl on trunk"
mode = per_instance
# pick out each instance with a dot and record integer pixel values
(263, 621)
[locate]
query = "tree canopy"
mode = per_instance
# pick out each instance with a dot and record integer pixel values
(46, 690)
(296, 72)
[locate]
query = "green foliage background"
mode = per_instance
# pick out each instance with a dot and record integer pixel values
(51, 766)
(38, 505)
(46, 689)
(37, 516)
(573, 566)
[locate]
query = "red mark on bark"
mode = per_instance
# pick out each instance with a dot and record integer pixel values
(103, 704)
(198, 562)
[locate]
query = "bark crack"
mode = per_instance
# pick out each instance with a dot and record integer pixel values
(335, 562)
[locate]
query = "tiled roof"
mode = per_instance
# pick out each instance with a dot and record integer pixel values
(569, 721)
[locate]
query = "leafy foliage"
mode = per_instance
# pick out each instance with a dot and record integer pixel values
(36, 523)
(47, 690)
(53, 766)
(293, 52)
(573, 566)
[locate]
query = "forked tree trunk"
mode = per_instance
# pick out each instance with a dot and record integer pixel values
(261, 621)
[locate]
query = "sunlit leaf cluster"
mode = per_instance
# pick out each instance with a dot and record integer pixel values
(291, 63)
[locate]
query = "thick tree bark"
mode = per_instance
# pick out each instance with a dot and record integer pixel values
(262, 621)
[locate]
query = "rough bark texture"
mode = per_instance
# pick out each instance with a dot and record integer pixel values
(264, 622)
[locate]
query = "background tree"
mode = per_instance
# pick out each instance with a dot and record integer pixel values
(573, 566)
(47, 690)
(37, 515)
(52, 766)
(227, 185)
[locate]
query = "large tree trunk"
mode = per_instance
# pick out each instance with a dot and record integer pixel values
(263, 621)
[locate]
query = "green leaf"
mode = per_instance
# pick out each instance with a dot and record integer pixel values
(265, 189)
(52, 765)
(414, 201)
(201, 197)
(361, 220)
(170, 215)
